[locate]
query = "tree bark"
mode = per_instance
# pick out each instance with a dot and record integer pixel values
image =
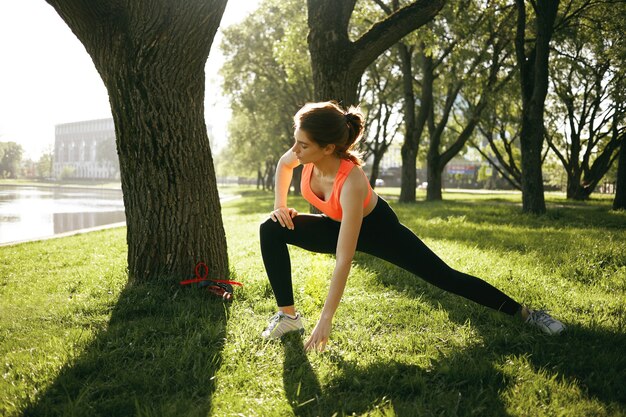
(534, 76)
(337, 62)
(414, 122)
(410, 146)
(619, 203)
(151, 57)
(375, 169)
(575, 190)
(434, 176)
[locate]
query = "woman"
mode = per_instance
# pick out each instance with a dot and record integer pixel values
(354, 218)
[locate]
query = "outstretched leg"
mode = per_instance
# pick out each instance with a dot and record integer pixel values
(383, 236)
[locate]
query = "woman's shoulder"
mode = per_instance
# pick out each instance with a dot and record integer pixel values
(356, 180)
(289, 159)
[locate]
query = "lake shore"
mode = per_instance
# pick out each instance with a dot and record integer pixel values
(107, 185)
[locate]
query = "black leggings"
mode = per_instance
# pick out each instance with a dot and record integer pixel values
(381, 235)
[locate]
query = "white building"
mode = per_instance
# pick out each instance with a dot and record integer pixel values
(86, 150)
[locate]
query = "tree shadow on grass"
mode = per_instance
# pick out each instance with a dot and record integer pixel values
(493, 212)
(587, 363)
(409, 390)
(591, 357)
(158, 356)
(476, 381)
(302, 387)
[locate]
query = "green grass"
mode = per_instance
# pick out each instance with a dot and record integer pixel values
(76, 339)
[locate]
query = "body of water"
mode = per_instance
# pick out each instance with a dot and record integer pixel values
(31, 212)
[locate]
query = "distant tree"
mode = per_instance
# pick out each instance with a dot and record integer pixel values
(471, 69)
(379, 98)
(45, 164)
(532, 47)
(28, 168)
(499, 129)
(378, 94)
(151, 56)
(10, 159)
(456, 62)
(617, 21)
(337, 62)
(67, 172)
(586, 111)
(619, 202)
(268, 79)
(415, 117)
(412, 49)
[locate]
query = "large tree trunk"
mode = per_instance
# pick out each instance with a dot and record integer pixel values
(534, 87)
(619, 203)
(337, 62)
(331, 51)
(151, 57)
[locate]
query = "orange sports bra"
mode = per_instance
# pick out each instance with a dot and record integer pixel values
(332, 207)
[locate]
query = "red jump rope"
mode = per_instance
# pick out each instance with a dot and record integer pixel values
(220, 287)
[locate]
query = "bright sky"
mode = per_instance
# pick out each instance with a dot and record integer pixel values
(47, 77)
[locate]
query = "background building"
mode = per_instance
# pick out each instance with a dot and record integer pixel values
(86, 150)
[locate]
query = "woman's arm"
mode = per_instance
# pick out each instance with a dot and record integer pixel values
(283, 176)
(351, 199)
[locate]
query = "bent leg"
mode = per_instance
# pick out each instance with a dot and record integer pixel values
(315, 233)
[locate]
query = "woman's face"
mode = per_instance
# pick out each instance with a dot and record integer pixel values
(307, 150)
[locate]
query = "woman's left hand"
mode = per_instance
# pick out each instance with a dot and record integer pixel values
(320, 335)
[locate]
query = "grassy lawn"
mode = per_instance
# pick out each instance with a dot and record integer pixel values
(76, 339)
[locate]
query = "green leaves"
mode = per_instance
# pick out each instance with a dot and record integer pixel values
(267, 75)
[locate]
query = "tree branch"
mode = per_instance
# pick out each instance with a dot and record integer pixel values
(389, 31)
(515, 183)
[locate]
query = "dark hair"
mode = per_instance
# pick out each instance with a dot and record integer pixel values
(327, 123)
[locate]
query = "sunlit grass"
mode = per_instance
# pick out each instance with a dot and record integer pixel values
(76, 340)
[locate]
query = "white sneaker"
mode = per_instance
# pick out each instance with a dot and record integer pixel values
(281, 324)
(545, 322)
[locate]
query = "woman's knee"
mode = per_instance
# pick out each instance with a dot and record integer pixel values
(269, 227)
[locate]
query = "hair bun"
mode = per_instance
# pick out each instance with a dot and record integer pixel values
(354, 116)
(356, 123)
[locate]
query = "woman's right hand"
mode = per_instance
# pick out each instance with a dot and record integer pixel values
(283, 215)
